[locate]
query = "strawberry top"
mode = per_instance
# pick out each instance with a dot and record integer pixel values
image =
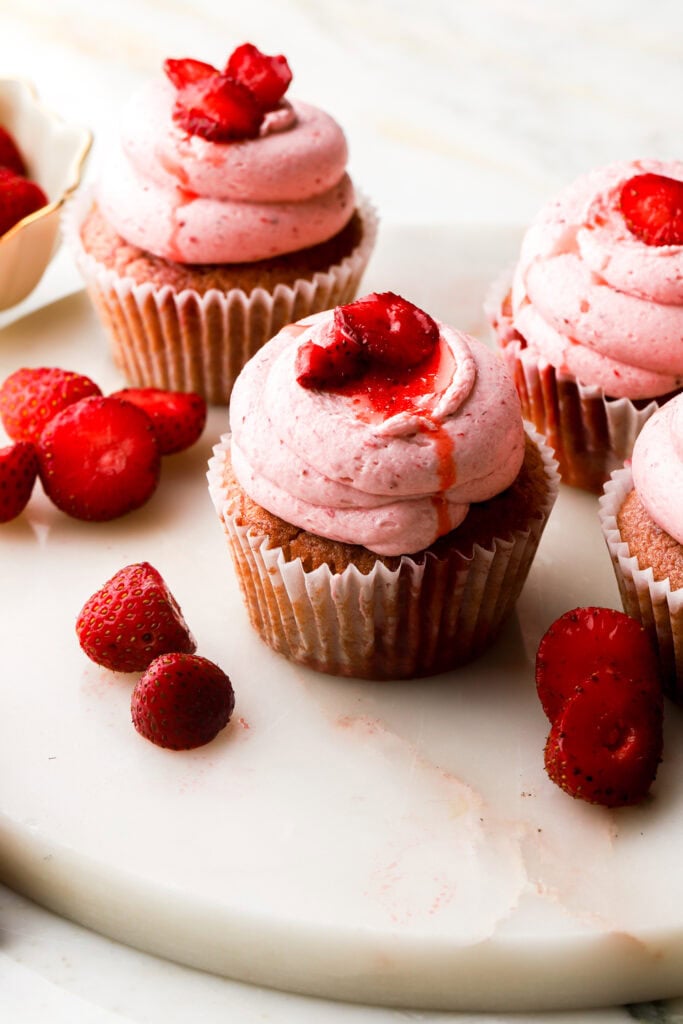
(224, 106)
(652, 206)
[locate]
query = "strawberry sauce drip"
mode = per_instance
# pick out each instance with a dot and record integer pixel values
(185, 197)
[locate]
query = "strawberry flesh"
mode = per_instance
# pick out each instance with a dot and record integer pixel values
(18, 471)
(339, 360)
(10, 157)
(99, 458)
(218, 109)
(606, 744)
(178, 417)
(131, 620)
(31, 396)
(187, 71)
(19, 197)
(652, 206)
(182, 701)
(588, 639)
(267, 78)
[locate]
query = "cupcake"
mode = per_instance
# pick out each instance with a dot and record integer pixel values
(379, 495)
(591, 326)
(224, 213)
(641, 513)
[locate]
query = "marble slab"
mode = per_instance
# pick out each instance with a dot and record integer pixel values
(395, 844)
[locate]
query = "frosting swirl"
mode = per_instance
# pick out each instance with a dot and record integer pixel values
(657, 467)
(334, 464)
(592, 299)
(191, 200)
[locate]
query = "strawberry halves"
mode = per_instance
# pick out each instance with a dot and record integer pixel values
(652, 206)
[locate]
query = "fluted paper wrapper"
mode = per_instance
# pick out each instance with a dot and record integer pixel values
(424, 617)
(590, 433)
(651, 601)
(184, 341)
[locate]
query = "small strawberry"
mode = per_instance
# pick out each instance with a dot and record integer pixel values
(585, 640)
(18, 471)
(178, 417)
(10, 157)
(99, 458)
(30, 397)
(652, 206)
(182, 701)
(267, 78)
(132, 620)
(18, 198)
(606, 743)
(218, 109)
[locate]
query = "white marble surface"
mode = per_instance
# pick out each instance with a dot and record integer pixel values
(455, 113)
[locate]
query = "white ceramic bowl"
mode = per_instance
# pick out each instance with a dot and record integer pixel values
(55, 154)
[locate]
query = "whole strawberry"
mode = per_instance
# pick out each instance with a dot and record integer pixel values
(99, 459)
(10, 156)
(182, 701)
(178, 417)
(18, 471)
(18, 198)
(131, 620)
(606, 744)
(31, 396)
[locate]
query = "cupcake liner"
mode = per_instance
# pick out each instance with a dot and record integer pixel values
(185, 341)
(425, 616)
(591, 433)
(651, 601)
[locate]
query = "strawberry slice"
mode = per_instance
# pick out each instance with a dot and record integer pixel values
(267, 78)
(131, 620)
(218, 109)
(339, 360)
(606, 743)
(18, 471)
(178, 417)
(10, 157)
(586, 640)
(99, 458)
(187, 71)
(31, 396)
(19, 197)
(652, 206)
(182, 701)
(395, 333)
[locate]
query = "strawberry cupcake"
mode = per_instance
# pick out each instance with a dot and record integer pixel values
(224, 213)
(380, 497)
(641, 512)
(591, 326)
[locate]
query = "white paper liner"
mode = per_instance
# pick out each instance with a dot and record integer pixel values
(185, 341)
(418, 619)
(592, 434)
(651, 601)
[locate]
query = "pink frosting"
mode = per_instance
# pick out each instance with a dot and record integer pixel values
(185, 198)
(327, 463)
(594, 301)
(658, 467)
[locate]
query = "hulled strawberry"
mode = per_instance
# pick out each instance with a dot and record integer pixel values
(18, 471)
(19, 197)
(585, 640)
(182, 701)
(652, 206)
(131, 620)
(178, 417)
(99, 458)
(606, 743)
(31, 396)
(10, 156)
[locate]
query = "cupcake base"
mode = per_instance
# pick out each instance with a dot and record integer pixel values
(194, 328)
(343, 610)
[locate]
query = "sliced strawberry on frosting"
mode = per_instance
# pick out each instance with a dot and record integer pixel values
(219, 109)
(394, 332)
(267, 78)
(187, 71)
(652, 206)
